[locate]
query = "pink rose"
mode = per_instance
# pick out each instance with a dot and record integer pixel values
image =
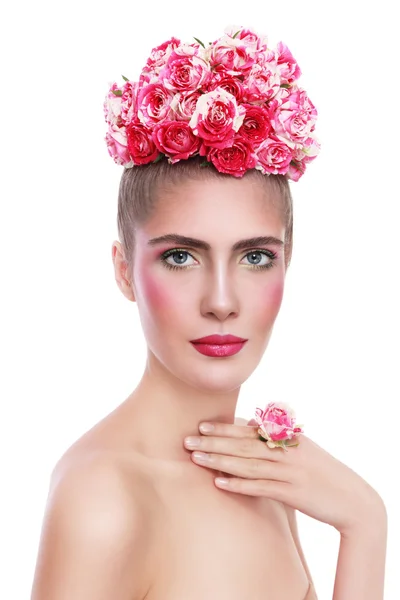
(277, 423)
(128, 101)
(117, 146)
(253, 42)
(112, 106)
(231, 55)
(296, 170)
(263, 57)
(256, 124)
(274, 157)
(287, 66)
(309, 150)
(142, 148)
(217, 117)
(156, 61)
(183, 105)
(294, 119)
(235, 160)
(262, 83)
(235, 101)
(230, 84)
(185, 70)
(280, 97)
(153, 104)
(301, 158)
(176, 140)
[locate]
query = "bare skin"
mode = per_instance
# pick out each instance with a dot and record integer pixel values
(130, 516)
(204, 542)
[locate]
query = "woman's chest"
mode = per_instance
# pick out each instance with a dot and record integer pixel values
(224, 546)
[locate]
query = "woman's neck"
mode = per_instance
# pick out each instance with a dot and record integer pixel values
(163, 410)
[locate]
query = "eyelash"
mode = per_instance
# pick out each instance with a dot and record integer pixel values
(269, 253)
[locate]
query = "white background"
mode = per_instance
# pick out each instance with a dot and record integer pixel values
(72, 347)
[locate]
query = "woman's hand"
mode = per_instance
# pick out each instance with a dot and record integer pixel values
(306, 477)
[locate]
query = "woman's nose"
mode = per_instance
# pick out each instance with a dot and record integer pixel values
(220, 294)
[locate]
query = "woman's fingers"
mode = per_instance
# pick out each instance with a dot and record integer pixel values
(276, 490)
(228, 430)
(249, 468)
(245, 447)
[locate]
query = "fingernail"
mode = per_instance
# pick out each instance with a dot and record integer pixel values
(221, 481)
(193, 442)
(206, 427)
(202, 456)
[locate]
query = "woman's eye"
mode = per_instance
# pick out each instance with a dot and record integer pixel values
(258, 258)
(176, 258)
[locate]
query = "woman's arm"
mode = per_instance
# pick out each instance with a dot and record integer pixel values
(94, 537)
(313, 481)
(360, 569)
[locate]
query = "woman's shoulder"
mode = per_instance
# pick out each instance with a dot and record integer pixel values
(97, 509)
(97, 474)
(92, 465)
(95, 466)
(95, 481)
(104, 452)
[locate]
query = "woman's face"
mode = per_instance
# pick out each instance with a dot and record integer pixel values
(186, 291)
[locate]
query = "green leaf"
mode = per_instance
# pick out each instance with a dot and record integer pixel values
(285, 85)
(159, 157)
(238, 31)
(117, 92)
(199, 42)
(205, 163)
(125, 78)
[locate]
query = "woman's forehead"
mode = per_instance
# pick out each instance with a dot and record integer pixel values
(244, 203)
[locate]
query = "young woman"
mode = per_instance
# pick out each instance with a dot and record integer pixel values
(205, 244)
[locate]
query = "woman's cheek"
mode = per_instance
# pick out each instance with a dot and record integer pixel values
(156, 294)
(161, 298)
(272, 298)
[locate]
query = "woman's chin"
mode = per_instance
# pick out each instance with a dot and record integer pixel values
(218, 383)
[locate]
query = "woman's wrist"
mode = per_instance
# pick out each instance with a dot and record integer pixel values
(370, 519)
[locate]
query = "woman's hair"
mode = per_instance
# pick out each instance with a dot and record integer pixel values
(141, 187)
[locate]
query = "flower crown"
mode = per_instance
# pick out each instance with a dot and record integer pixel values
(235, 102)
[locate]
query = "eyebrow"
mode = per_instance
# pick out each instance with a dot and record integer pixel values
(195, 243)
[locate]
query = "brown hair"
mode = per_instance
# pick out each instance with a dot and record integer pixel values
(140, 186)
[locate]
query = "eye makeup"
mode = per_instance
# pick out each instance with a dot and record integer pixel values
(269, 253)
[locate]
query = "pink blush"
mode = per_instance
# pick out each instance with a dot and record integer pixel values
(156, 293)
(273, 294)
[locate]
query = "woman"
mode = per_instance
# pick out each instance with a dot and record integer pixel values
(206, 240)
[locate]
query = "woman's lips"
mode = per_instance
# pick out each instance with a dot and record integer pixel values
(219, 345)
(219, 339)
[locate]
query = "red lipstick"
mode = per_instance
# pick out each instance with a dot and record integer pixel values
(219, 345)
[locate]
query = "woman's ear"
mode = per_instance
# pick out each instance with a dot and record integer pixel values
(121, 271)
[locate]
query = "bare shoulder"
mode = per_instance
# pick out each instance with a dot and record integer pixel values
(95, 535)
(292, 520)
